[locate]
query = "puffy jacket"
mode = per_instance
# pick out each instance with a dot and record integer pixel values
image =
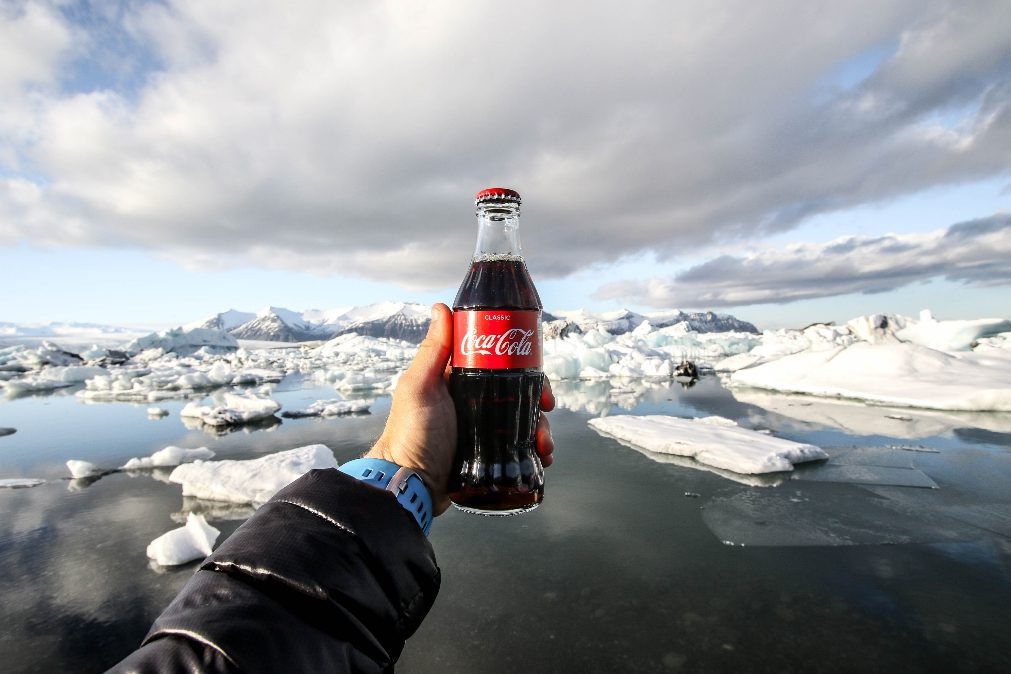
(330, 575)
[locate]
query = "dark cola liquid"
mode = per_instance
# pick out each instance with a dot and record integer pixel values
(496, 470)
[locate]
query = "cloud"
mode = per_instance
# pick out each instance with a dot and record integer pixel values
(350, 137)
(974, 253)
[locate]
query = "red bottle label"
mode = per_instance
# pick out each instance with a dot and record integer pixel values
(497, 339)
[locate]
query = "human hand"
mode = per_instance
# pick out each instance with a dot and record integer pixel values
(420, 432)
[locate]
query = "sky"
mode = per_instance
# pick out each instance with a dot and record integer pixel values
(786, 162)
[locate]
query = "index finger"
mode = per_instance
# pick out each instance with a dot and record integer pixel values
(547, 397)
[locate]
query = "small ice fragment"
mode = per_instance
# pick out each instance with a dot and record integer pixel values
(157, 412)
(330, 408)
(20, 482)
(170, 456)
(691, 494)
(80, 469)
(193, 541)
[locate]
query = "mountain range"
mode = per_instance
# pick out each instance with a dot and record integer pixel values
(398, 320)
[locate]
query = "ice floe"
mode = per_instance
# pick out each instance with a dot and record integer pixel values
(194, 540)
(169, 456)
(714, 441)
(20, 482)
(330, 408)
(232, 410)
(251, 481)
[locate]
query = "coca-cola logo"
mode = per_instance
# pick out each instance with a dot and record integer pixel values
(514, 342)
(497, 339)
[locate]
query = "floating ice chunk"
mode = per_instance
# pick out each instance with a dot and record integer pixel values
(193, 541)
(157, 412)
(236, 409)
(951, 335)
(330, 408)
(714, 441)
(253, 481)
(892, 374)
(365, 380)
(20, 482)
(80, 469)
(170, 456)
(184, 342)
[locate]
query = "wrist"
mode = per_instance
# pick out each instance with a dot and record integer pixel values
(404, 483)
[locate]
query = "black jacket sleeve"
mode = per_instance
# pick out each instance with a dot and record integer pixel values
(330, 575)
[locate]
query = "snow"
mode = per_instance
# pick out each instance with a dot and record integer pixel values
(79, 469)
(233, 410)
(714, 441)
(169, 456)
(193, 541)
(331, 408)
(252, 481)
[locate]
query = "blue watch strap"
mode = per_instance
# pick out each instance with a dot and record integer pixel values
(407, 485)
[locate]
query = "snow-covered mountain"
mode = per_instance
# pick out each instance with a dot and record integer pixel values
(226, 320)
(75, 335)
(622, 321)
(274, 324)
(400, 320)
(396, 320)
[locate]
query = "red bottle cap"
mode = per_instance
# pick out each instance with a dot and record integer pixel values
(497, 193)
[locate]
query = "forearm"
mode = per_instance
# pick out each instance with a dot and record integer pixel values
(330, 575)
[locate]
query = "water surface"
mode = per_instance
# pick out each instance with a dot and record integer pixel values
(631, 564)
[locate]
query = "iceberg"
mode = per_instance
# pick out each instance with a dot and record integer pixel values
(714, 441)
(234, 410)
(251, 481)
(170, 456)
(951, 335)
(193, 541)
(184, 342)
(899, 374)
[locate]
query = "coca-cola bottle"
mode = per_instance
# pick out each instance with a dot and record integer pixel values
(496, 378)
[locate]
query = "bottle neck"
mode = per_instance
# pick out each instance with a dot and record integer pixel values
(498, 230)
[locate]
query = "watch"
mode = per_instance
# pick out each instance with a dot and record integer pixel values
(405, 484)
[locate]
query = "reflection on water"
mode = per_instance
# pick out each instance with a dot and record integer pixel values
(633, 563)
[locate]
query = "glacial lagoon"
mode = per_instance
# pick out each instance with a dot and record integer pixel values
(893, 555)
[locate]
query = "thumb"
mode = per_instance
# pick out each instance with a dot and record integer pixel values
(434, 351)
